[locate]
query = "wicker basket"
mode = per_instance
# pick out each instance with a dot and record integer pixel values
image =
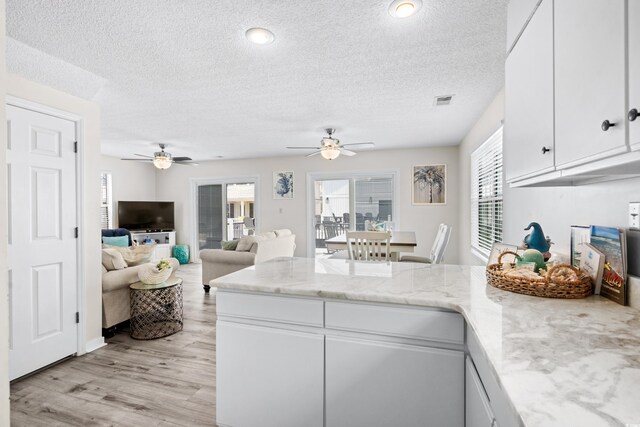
(150, 275)
(545, 286)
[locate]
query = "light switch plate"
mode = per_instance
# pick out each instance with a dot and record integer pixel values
(634, 214)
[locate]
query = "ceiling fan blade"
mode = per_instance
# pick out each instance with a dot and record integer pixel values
(303, 148)
(348, 152)
(142, 155)
(361, 144)
(140, 160)
(182, 159)
(186, 163)
(313, 154)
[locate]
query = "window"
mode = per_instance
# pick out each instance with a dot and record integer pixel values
(344, 202)
(106, 207)
(486, 195)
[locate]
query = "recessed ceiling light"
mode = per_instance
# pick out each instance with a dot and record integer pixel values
(259, 35)
(404, 8)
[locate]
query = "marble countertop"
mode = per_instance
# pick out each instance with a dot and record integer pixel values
(560, 362)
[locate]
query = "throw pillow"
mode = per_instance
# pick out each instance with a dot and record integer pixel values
(245, 243)
(135, 255)
(282, 232)
(112, 259)
(267, 235)
(229, 245)
(122, 241)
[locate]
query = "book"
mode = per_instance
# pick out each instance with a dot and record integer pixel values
(611, 242)
(592, 263)
(580, 234)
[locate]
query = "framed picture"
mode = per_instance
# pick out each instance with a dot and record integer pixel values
(283, 185)
(429, 185)
(498, 248)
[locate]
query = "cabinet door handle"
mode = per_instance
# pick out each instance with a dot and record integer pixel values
(545, 150)
(606, 125)
(633, 114)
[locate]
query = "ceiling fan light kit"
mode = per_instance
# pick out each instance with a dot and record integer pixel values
(163, 160)
(330, 147)
(330, 153)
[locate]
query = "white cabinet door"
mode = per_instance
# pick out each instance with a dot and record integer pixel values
(518, 13)
(372, 384)
(477, 410)
(589, 80)
(528, 147)
(268, 377)
(634, 74)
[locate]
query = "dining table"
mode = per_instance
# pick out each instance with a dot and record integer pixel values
(401, 241)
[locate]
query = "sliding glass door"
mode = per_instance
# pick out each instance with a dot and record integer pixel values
(347, 203)
(225, 211)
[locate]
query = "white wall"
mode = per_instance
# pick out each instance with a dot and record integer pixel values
(555, 208)
(90, 226)
(4, 304)
(129, 181)
(175, 184)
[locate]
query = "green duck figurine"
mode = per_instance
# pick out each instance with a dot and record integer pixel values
(536, 239)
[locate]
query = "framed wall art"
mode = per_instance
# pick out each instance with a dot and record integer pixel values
(429, 185)
(283, 185)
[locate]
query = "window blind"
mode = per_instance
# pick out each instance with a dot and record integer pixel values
(486, 194)
(106, 219)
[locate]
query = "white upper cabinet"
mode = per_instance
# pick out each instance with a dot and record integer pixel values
(634, 74)
(589, 80)
(528, 129)
(519, 12)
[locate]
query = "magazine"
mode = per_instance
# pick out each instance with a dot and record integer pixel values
(592, 263)
(611, 242)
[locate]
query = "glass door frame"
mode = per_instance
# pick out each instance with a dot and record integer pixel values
(224, 181)
(312, 177)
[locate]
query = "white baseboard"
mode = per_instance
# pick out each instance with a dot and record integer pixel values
(95, 344)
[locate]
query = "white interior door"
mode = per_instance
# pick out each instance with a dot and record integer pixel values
(42, 244)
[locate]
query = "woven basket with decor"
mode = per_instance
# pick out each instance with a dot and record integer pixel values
(554, 284)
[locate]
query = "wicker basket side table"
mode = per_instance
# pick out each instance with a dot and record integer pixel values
(156, 310)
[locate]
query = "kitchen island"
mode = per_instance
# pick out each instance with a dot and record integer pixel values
(543, 362)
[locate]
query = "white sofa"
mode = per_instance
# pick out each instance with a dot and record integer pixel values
(261, 247)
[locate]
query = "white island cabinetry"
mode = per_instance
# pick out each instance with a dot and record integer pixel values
(290, 361)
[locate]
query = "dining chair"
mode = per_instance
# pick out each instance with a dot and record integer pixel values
(249, 224)
(368, 245)
(440, 244)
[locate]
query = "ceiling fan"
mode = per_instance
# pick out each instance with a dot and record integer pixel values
(163, 160)
(330, 147)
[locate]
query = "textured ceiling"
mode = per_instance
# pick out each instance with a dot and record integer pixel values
(182, 73)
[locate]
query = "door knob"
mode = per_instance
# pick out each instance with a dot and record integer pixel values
(545, 150)
(633, 114)
(606, 125)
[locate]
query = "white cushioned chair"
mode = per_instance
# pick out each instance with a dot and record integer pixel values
(436, 256)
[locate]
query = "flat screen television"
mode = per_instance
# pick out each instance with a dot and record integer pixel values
(147, 216)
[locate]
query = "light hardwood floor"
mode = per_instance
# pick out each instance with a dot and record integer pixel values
(164, 382)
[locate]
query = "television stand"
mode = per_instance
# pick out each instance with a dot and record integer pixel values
(164, 241)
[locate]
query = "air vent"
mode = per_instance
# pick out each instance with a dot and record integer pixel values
(442, 100)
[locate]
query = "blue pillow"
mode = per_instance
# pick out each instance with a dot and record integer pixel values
(116, 241)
